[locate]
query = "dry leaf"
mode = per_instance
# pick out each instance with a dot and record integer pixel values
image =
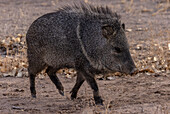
(146, 70)
(128, 30)
(146, 10)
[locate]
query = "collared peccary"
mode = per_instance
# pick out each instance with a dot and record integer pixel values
(84, 37)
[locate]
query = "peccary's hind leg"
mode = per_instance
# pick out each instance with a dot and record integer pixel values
(32, 85)
(35, 66)
(79, 82)
(92, 82)
(52, 74)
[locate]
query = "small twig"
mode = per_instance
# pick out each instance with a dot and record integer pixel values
(17, 108)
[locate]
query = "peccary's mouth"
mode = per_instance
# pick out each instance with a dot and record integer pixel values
(108, 68)
(119, 69)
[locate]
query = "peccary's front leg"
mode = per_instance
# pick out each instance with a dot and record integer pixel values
(52, 74)
(32, 85)
(92, 82)
(79, 82)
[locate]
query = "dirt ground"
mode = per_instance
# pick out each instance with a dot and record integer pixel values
(148, 27)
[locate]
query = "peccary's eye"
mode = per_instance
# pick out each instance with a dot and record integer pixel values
(117, 49)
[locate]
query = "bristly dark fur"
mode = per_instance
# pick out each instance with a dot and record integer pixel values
(84, 37)
(91, 11)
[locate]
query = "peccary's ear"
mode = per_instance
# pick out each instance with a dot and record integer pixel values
(123, 26)
(107, 30)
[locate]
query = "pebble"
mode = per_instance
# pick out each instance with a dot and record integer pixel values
(110, 78)
(19, 75)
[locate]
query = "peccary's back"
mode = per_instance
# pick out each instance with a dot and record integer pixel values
(52, 38)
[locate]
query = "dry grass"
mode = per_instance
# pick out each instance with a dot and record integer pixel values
(13, 61)
(14, 55)
(153, 55)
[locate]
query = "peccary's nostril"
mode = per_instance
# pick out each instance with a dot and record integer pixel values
(134, 71)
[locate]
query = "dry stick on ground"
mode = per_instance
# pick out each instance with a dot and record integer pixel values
(162, 9)
(107, 107)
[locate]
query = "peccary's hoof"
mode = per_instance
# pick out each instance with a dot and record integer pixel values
(73, 96)
(61, 92)
(33, 95)
(98, 101)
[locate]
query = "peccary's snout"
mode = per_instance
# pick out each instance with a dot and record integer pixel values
(133, 71)
(129, 69)
(128, 65)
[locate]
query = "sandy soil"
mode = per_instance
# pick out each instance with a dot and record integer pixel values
(146, 20)
(138, 94)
